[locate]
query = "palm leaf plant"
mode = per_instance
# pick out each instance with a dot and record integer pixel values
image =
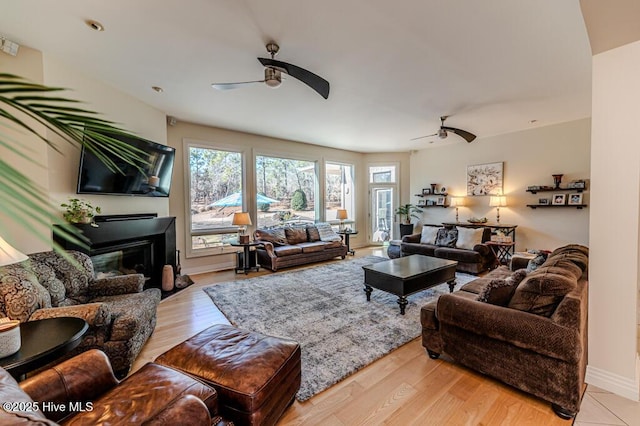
(407, 211)
(23, 103)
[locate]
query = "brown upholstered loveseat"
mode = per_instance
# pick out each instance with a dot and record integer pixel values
(298, 245)
(121, 315)
(473, 257)
(528, 330)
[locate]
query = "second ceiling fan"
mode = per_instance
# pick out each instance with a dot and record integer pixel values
(273, 74)
(443, 132)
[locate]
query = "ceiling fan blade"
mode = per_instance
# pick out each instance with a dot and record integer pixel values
(469, 137)
(312, 80)
(422, 137)
(230, 86)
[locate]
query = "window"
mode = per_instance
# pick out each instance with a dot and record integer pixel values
(339, 192)
(287, 190)
(382, 174)
(215, 194)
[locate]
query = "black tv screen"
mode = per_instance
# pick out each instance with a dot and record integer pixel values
(153, 181)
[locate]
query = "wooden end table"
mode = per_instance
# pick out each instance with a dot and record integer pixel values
(44, 341)
(244, 259)
(346, 235)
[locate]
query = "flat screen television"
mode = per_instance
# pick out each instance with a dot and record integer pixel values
(153, 181)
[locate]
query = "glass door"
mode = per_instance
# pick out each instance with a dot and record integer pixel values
(381, 214)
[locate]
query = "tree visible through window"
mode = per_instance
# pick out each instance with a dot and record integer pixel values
(286, 190)
(215, 189)
(339, 192)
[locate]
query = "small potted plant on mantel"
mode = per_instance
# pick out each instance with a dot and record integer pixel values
(406, 212)
(79, 211)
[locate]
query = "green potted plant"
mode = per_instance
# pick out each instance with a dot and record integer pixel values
(406, 212)
(79, 211)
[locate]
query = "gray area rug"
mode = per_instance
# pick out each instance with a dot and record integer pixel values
(324, 308)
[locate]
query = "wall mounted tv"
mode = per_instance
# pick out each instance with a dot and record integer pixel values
(154, 181)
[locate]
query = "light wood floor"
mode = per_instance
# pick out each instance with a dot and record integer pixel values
(403, 388)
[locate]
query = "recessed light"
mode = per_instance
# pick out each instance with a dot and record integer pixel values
(157, 89)
(94, 25)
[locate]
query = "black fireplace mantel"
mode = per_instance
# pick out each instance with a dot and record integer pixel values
(123, 229)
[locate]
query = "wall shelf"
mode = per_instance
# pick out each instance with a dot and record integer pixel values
(577, 206)
(535, 191)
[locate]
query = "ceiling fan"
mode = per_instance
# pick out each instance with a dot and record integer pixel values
(273, 74)
(443, 131)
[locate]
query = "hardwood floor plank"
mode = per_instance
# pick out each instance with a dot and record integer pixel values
(403, 388)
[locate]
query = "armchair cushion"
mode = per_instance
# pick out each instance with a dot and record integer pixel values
(121, 284)
(20, 293)
(75, 279)
(95, 314)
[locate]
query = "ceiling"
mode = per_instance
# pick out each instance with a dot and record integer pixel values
(394, 67)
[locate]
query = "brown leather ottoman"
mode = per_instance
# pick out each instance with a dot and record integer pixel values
(256, 376)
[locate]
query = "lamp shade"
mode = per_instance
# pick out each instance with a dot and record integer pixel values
(498, 201)
(9, 255)
(341, 214)
(241, 218)
(457, 201)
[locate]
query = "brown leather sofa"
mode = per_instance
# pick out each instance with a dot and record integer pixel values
(528, 330)
(470, 260)
(84, 391)
(283, 247)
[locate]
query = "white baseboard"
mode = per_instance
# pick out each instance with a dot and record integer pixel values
(210, 268)
(622, 386)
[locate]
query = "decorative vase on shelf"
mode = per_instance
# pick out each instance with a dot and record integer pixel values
(433, 188)
(556, 180)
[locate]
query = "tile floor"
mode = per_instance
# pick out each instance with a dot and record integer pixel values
(600, 407)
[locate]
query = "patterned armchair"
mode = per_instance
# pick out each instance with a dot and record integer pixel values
(121, 315)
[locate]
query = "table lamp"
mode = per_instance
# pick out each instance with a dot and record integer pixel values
(457, 202)
(341, 214)
(497, 202)
(242, 219)
(9, 329)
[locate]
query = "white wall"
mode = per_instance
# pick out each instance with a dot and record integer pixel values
(615, 212)
(530, 158)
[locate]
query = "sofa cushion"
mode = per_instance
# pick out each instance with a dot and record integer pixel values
(446, 237)
(468, 238)
(428, 234)
(327, 233)
(417, 248)
(332, 244)
(541, 291)
(296, 235)
(313, 247)
(276, 236)
(312, 233)
(499, 290)
(287, 250)
(459, 255)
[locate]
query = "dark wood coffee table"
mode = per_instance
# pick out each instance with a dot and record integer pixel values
(408, 275)
(42, 342)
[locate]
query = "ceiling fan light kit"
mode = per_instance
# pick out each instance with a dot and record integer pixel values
(443, 131)
(273, 74)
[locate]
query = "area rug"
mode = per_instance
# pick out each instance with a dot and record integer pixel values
(324, 308)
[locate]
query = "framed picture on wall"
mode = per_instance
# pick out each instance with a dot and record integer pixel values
(440, 201)
(559, 199)
(484, 179)
(426, 191)
(575, 199)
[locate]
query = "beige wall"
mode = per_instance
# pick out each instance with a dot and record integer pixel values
(28, 64)
(530, 158)
(253, 145)
(615, 214)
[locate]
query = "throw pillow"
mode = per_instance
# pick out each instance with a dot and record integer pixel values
(429, 234)
(312, 233)
(276, 236)
(327, 233)
(468, 238)
(447, 237)
(541, 291)
(500, 290)
(20, 292)
(296, 235)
